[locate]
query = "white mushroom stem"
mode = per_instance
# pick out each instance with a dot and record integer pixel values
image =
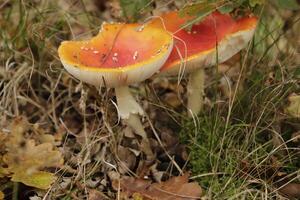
(135, 123)
(195, 91)
(129, 110)
(127, 105)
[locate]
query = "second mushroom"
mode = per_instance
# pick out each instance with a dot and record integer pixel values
(215, 39)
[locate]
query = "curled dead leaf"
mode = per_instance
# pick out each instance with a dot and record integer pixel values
(176, 188)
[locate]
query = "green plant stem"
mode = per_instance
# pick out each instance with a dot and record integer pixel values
(15, 191)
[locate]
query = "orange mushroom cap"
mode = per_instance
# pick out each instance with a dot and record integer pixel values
(121, 54)
(215, 33)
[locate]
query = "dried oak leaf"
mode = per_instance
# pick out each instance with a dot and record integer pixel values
(176, 188)
(26, 160)
(38, 179)
(294, 107)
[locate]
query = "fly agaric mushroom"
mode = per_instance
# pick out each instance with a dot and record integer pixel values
(120, 55)
(215, 39)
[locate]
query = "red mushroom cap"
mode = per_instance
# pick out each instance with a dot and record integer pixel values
(121, 54)
(216, 33)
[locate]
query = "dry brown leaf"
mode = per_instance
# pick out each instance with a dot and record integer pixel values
(96, 195)
(172, 99)
(176, 188)
(127, 159)
(291, 190)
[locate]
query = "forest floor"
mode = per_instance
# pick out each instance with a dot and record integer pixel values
(245, 144)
